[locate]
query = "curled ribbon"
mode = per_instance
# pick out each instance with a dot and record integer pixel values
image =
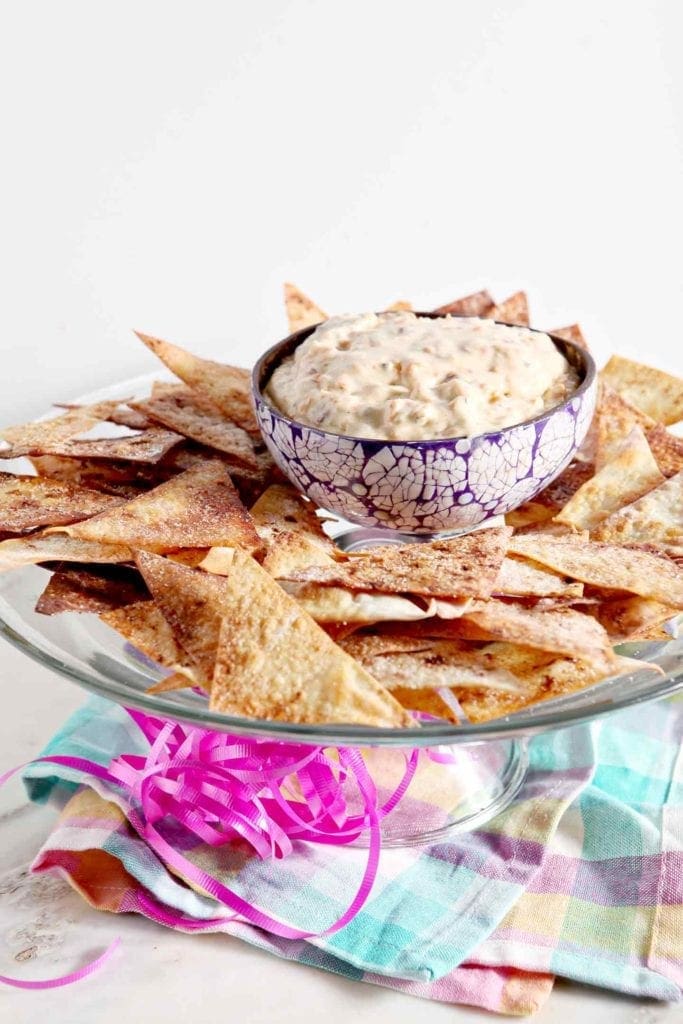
(223, 787)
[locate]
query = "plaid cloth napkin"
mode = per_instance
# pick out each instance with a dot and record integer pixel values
(582, 876)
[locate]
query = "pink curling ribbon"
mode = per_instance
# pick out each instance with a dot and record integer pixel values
(223, 787)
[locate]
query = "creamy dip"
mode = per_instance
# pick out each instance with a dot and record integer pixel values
(396, 376)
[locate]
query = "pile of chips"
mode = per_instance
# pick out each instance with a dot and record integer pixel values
(178, 530)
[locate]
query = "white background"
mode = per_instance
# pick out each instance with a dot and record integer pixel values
(166, 166)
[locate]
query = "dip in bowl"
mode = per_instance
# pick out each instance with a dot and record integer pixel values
(422, 423)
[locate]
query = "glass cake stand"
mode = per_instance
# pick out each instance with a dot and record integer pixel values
(486, 762)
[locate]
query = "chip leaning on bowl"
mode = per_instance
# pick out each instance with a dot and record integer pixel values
(187, 539)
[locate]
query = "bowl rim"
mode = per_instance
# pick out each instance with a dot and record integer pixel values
(286, 346)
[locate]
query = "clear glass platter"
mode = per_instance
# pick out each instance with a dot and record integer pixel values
(85, 650)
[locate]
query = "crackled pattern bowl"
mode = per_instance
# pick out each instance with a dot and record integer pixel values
(426, 486)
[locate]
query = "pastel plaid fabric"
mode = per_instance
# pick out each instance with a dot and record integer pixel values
(582, 876)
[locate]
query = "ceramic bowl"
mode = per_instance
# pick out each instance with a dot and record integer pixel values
(426, 487)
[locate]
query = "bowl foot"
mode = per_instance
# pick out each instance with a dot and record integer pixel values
(355, 538)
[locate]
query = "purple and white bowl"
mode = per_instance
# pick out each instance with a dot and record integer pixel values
(426, 487)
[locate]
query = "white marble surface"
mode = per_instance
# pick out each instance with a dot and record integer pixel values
(158, 975)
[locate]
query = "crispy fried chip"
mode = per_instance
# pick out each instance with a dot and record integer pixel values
(28, 436)
(290, 552)
(570, 333)
(122, 479)
(131, 418)
(667, 450)
(301, 311)
(148, 446)
(656, 518)
(540, 677)
(513, 310)
(336, 604)
(405, 663)
(98, 589)
(27, 503)
(519, 578)
(43, 547)
(550, 528)
(228, 387)
(122, 415)
(560, 631)
(627, 617)
(198, 508)
(463, 566)
(607, 565)
(145, 627)
(400, 307)
(198, 419)
(291, 530)
(477, 304)
(658, 394)
(476, 705)
(631, 473)
(217, 560)
(614, 420)
(192, 602)
(176, 681)
(275, 662)
(250, 483)
(282, 508)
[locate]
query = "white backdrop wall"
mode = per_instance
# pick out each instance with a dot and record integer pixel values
(167, 165)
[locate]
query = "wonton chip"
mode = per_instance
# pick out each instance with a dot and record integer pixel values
(228, 387)
(57, 547)
(667, 450)
(656, 518)
(570, 333)
(463, 567)
(98, 589)
(560, 631)
(514, 310)
(124, 416)
(122, 479)
(291, 530)
(614, 420)
(336, 604)
(27, 503)
(406, 663)
(301, 311)
(30, 436)
(275, 662)
(200, 420)
(518, 578)
(628, 617)
(658, 394)
(176, 681)
(193, 603)
(199, 508)
(631, 473)
(145, 628)
(149, 446)
(540, 677)
(289, 552)
(477, 304)
(607, 565)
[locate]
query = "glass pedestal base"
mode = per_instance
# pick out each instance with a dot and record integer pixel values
(454, 789)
